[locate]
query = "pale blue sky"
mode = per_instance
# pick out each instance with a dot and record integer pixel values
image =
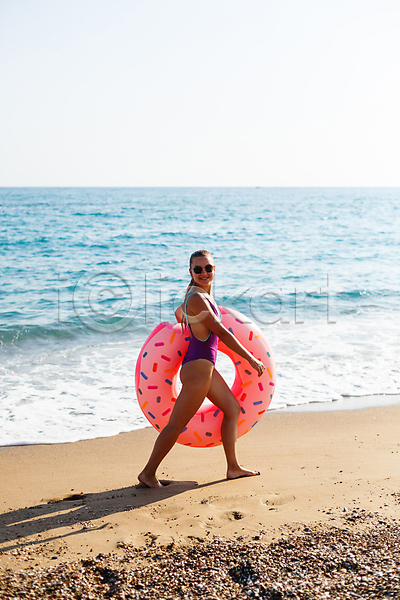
(212, 92)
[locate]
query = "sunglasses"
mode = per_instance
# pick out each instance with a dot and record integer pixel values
(208, 268)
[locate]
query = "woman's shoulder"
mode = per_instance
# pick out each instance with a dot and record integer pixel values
(196, 296)
(197, 299)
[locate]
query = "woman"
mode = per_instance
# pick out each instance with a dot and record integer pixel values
(199, 377)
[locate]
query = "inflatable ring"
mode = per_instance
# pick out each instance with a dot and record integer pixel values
(156, 379)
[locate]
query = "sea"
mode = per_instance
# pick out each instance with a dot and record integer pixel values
(88, 273)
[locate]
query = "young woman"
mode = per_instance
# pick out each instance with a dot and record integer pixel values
(199, 377)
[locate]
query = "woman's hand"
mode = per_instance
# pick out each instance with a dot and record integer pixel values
(257, 365)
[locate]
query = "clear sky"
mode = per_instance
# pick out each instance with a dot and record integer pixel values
(200, 93)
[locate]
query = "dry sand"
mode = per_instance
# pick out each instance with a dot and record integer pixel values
(70, 501)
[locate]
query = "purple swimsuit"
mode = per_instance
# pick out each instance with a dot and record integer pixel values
(202, 348)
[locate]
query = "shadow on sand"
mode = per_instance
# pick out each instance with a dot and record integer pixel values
(80, 510)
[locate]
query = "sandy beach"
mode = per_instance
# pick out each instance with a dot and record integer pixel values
(67, 502)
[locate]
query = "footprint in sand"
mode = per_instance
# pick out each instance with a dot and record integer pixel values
(278, 499)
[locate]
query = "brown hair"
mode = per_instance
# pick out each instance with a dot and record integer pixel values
(196, 254)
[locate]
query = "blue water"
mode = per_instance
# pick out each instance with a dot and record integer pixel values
(87, 274)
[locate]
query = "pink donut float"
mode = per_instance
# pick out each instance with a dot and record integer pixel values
(156, 379)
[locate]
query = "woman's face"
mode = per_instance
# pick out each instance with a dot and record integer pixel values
(204, 278)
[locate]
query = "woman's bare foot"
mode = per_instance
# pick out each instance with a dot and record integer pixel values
(149, 481)
(239, 472)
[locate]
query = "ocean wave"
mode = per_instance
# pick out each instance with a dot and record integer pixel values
(85, 326)
(12, 335)
(362, 293)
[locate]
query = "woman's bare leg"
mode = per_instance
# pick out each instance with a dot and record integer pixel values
(196, 379)
(220, 395)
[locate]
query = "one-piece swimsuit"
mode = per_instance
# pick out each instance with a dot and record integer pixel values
(201, 348)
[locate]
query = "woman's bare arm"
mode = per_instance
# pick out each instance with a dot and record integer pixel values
(179, 314)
